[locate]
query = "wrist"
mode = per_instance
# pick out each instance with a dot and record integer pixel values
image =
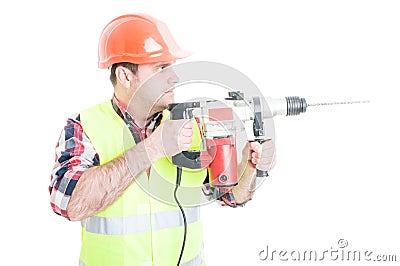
(246, 167)
(153, 150)
(246, 176)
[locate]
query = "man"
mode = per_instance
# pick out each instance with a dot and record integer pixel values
(109, 155)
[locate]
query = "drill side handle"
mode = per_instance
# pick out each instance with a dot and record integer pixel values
(258, 129)
(261, 173)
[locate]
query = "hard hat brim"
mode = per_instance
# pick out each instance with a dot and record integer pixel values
(155, 58)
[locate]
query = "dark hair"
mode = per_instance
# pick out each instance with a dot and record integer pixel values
(131, 66)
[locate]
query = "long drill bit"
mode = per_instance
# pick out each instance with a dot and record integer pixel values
(334, 103)
(296, 105)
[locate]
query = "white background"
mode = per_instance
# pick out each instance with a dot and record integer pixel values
(337, 167)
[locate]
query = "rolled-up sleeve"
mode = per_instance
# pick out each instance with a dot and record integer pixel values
(74, 154)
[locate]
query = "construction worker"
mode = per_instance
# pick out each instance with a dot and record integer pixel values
(98, 173)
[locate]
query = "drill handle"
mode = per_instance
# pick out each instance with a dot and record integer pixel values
(188, 159)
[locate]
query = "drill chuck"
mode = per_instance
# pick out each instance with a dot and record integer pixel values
(295, 105)
(288, 106)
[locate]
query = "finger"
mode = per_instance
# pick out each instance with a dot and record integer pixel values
(255, 146)
(255, 161)
(256, 155)
(186, 140)
(184, 147)
(188, 124)
(186, 132)
(249, 148)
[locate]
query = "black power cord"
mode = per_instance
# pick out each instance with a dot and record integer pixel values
(178, 182)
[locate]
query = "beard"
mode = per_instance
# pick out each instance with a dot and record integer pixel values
(162, 103)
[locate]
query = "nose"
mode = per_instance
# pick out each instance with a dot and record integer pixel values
(173, 77)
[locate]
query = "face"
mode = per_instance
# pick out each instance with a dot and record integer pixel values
(153, 86)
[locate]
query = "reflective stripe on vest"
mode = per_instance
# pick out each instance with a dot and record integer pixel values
(139, 223)
(196, 261)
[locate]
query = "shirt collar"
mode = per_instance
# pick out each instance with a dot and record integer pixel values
(119, 107)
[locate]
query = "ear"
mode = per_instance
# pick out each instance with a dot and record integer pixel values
(124, 76)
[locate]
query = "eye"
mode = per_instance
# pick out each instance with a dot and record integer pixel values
(164, 66)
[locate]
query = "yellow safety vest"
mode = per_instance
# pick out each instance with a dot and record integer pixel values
(140, 228)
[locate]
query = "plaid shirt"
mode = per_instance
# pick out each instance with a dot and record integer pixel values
(75, 153)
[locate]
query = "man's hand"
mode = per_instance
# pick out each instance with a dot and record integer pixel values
(254, 155)
(259, 155)
(172, 137)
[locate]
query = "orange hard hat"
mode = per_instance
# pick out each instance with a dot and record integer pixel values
(138, 39)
